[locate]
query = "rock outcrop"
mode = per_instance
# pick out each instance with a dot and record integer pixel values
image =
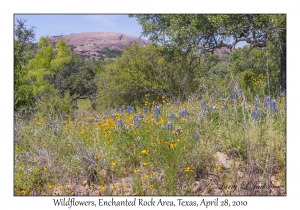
(95, 44)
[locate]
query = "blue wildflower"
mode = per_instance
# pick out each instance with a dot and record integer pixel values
(214, 108)
(119, 124)
(136, 124)
(273, 105)
(197, 137)
(121, 110)
(184, 112)
(145, 109)
(267, 101)
(157, 109)
(172, 116)
(142, 145)
(255, 115)
(170, 126)
(90, 121)
(129, 109)
(156, 117)
(234, 94)
(203, 104)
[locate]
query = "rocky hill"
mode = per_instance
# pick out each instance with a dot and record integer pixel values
(99, 45)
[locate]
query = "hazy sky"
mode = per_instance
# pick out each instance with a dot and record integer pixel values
(54, 25)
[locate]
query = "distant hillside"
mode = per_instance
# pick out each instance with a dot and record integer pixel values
(99, 45)
(223, 50)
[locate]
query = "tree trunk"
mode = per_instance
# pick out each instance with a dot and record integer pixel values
(283, 71)
(283, 63)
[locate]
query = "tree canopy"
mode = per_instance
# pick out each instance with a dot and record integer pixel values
(202, 33)
(23, 37)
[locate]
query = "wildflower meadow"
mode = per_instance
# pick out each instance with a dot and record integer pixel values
(159, 149)
(189, 115)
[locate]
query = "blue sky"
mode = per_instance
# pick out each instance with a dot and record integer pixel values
(54, 25)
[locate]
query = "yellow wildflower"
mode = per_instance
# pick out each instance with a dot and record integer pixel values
(172, 145)
(114, 163)
(96, 157)
(24, 191)
(145, 176)
(163, 121)
(145, 151)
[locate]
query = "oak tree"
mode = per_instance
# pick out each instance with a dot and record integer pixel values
(202, 33)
